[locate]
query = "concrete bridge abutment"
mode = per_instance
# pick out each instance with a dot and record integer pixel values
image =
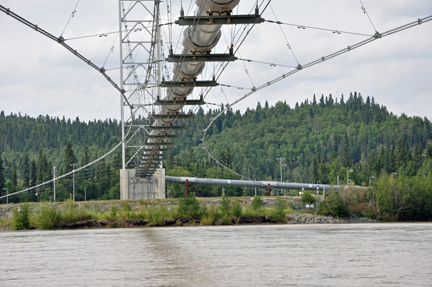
(132, 187)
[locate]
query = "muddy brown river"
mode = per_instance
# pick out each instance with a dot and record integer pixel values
(382, 254)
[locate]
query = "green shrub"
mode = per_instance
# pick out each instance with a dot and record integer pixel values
(257, 203)
(224, 220)
(114, 212)
(203, 210)
(334, 205)
(307, 197)
(172, 211)
(236, 208)
(278, 213)
(71, 214)
(225, 205)
(126, 206)
(21, 217)
(189, 206)
(207, 220)
(49, 216)
(209, 216)
(5, 223)
(158, 214)
(127, 211)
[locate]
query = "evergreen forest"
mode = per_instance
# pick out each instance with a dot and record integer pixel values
(326, 140)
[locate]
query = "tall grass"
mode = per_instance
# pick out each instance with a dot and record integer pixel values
(236, 209)
(158, 214)
(210, 215)
(21, 217)
(5, 223)
(71, 214)
(257, 203)
(48, 216)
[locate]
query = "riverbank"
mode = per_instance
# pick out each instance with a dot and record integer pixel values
(303, 218)
(164, 212)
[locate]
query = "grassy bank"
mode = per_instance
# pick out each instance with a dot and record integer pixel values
(154, 212)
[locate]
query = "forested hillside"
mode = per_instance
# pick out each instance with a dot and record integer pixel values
(318, 140)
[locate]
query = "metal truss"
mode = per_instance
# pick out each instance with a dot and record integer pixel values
(140, 68)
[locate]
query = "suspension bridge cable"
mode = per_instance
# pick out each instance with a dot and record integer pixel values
(286, 39)
(265, 63)
(60, 40)
(235, 87)
(367, 14)
(238, 44)
(111, 50)
(70, 17)
(334, 31)
(300, 68)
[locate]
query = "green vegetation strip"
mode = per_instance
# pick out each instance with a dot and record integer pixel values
(151, 213)
(189, 211)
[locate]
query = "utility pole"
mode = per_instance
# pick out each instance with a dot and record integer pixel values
(370, 180)
(280, 160)
(73, 165)
(348, 171)
(54, 187)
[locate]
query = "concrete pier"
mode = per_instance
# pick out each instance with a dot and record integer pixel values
(132, 187)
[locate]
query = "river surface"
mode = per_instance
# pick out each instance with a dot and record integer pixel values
(395, 254)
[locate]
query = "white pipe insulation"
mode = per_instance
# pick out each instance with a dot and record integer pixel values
(199, 39)
(196, 39)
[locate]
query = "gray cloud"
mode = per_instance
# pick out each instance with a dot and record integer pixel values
(38, 76)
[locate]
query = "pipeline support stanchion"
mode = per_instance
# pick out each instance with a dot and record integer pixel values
(187, 187)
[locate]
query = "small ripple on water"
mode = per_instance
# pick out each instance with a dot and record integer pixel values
(279, 255)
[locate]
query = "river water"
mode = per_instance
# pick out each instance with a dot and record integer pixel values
(396, 254)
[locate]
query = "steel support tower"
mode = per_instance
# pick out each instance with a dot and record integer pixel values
(140, 72)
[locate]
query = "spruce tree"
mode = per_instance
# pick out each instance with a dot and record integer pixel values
(170, 161)
(418, 157)
(346, 159)
(400, 154)
(315, 175)
(333, 156)
(14, 179)
(40, 166)
(381, 161)
(33, 173)
(392, 158)
(429, 150)
(191, 158)
(2, 176)
(323, 173)
(26, 171)
(70, 158)
(407, 153)
(371, 164)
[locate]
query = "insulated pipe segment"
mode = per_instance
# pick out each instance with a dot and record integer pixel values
(196, 39)
(221, 6)
(201, 39)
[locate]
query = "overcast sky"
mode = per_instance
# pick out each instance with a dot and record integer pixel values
(38, 76)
